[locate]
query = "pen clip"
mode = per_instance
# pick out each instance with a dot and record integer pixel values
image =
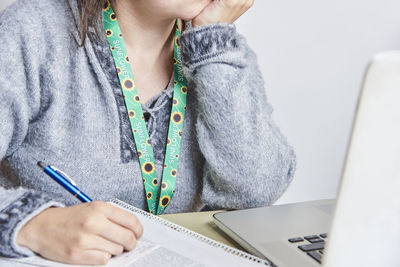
(64, 175)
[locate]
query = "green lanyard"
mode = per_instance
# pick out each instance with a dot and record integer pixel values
(157, 199)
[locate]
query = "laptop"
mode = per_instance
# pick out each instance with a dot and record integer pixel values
(361, 228)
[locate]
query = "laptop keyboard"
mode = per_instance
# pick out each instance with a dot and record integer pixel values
(313, 245)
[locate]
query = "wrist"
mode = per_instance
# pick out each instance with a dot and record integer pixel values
(25, 207)
(28, 234)
(198, 23)
(205, 43)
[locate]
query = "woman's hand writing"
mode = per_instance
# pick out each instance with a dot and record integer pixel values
(88, 233)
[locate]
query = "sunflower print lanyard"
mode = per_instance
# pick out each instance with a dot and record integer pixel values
(157, 198)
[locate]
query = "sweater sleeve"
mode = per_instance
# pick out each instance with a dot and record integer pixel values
(19, 104)
(17, 205)
(248, 162)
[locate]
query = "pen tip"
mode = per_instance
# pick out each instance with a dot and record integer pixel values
(41, 164)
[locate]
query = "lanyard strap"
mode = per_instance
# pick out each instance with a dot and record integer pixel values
(157, 198)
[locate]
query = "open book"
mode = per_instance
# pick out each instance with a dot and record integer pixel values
(164, 244)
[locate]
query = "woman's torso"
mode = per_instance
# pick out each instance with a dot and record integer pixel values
(82, 128)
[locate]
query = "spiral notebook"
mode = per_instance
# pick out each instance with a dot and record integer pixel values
(165, 244)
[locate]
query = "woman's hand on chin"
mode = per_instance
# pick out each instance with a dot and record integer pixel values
(222, 11)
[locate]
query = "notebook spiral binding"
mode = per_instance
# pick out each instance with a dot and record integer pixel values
(198, 236)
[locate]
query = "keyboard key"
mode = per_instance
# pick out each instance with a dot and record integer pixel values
(321, 251)
(313, 246)
(295, 240)
(316, 240)
(311, 237)
(315, 255)
(323, 235)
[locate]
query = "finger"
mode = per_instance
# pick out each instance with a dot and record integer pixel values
(103, 244)
(87, 257)
(125, 219)
(118, 235)
(95, 257)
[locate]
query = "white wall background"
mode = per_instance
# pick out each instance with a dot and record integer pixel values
(313, 54)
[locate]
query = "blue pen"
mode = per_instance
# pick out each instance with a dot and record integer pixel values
(64, 181)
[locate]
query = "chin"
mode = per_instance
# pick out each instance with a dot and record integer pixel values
(188, 16)
(190, 11)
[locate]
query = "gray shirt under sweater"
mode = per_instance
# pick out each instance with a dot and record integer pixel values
(62, 104)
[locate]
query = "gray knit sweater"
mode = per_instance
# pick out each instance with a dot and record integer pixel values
(62, 104)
